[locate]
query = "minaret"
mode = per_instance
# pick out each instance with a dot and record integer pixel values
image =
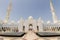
(8, 11)
(53, 12)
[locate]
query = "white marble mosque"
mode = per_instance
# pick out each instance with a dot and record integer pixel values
(30, 28)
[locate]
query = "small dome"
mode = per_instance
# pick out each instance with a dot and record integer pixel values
(39, 18)
(1, 21)
(21, 18)
(18, 21)
(5, 21)
(48, 22)
(12, 22)
(30, 17)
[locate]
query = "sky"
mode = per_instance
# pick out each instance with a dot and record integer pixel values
(26, 8)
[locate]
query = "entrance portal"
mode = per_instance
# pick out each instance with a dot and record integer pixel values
(30, 27)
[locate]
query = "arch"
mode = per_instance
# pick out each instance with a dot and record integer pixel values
(37, 28)
(23, 28)
(30, 27)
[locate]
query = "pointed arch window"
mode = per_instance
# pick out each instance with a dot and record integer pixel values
(23, 28)
(30, 27)
(37, 28)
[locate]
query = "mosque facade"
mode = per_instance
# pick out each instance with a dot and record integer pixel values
(30, 29)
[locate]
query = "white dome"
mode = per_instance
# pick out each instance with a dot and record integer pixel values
(39, 18)
(30, 17)
(21, 19)
(1, 21)
(48, 22)
(12, 22)
(5, 21)
(18, 21)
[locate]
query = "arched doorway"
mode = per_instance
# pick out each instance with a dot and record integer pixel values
(23, 28)
(37, 28)
(30, 27)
